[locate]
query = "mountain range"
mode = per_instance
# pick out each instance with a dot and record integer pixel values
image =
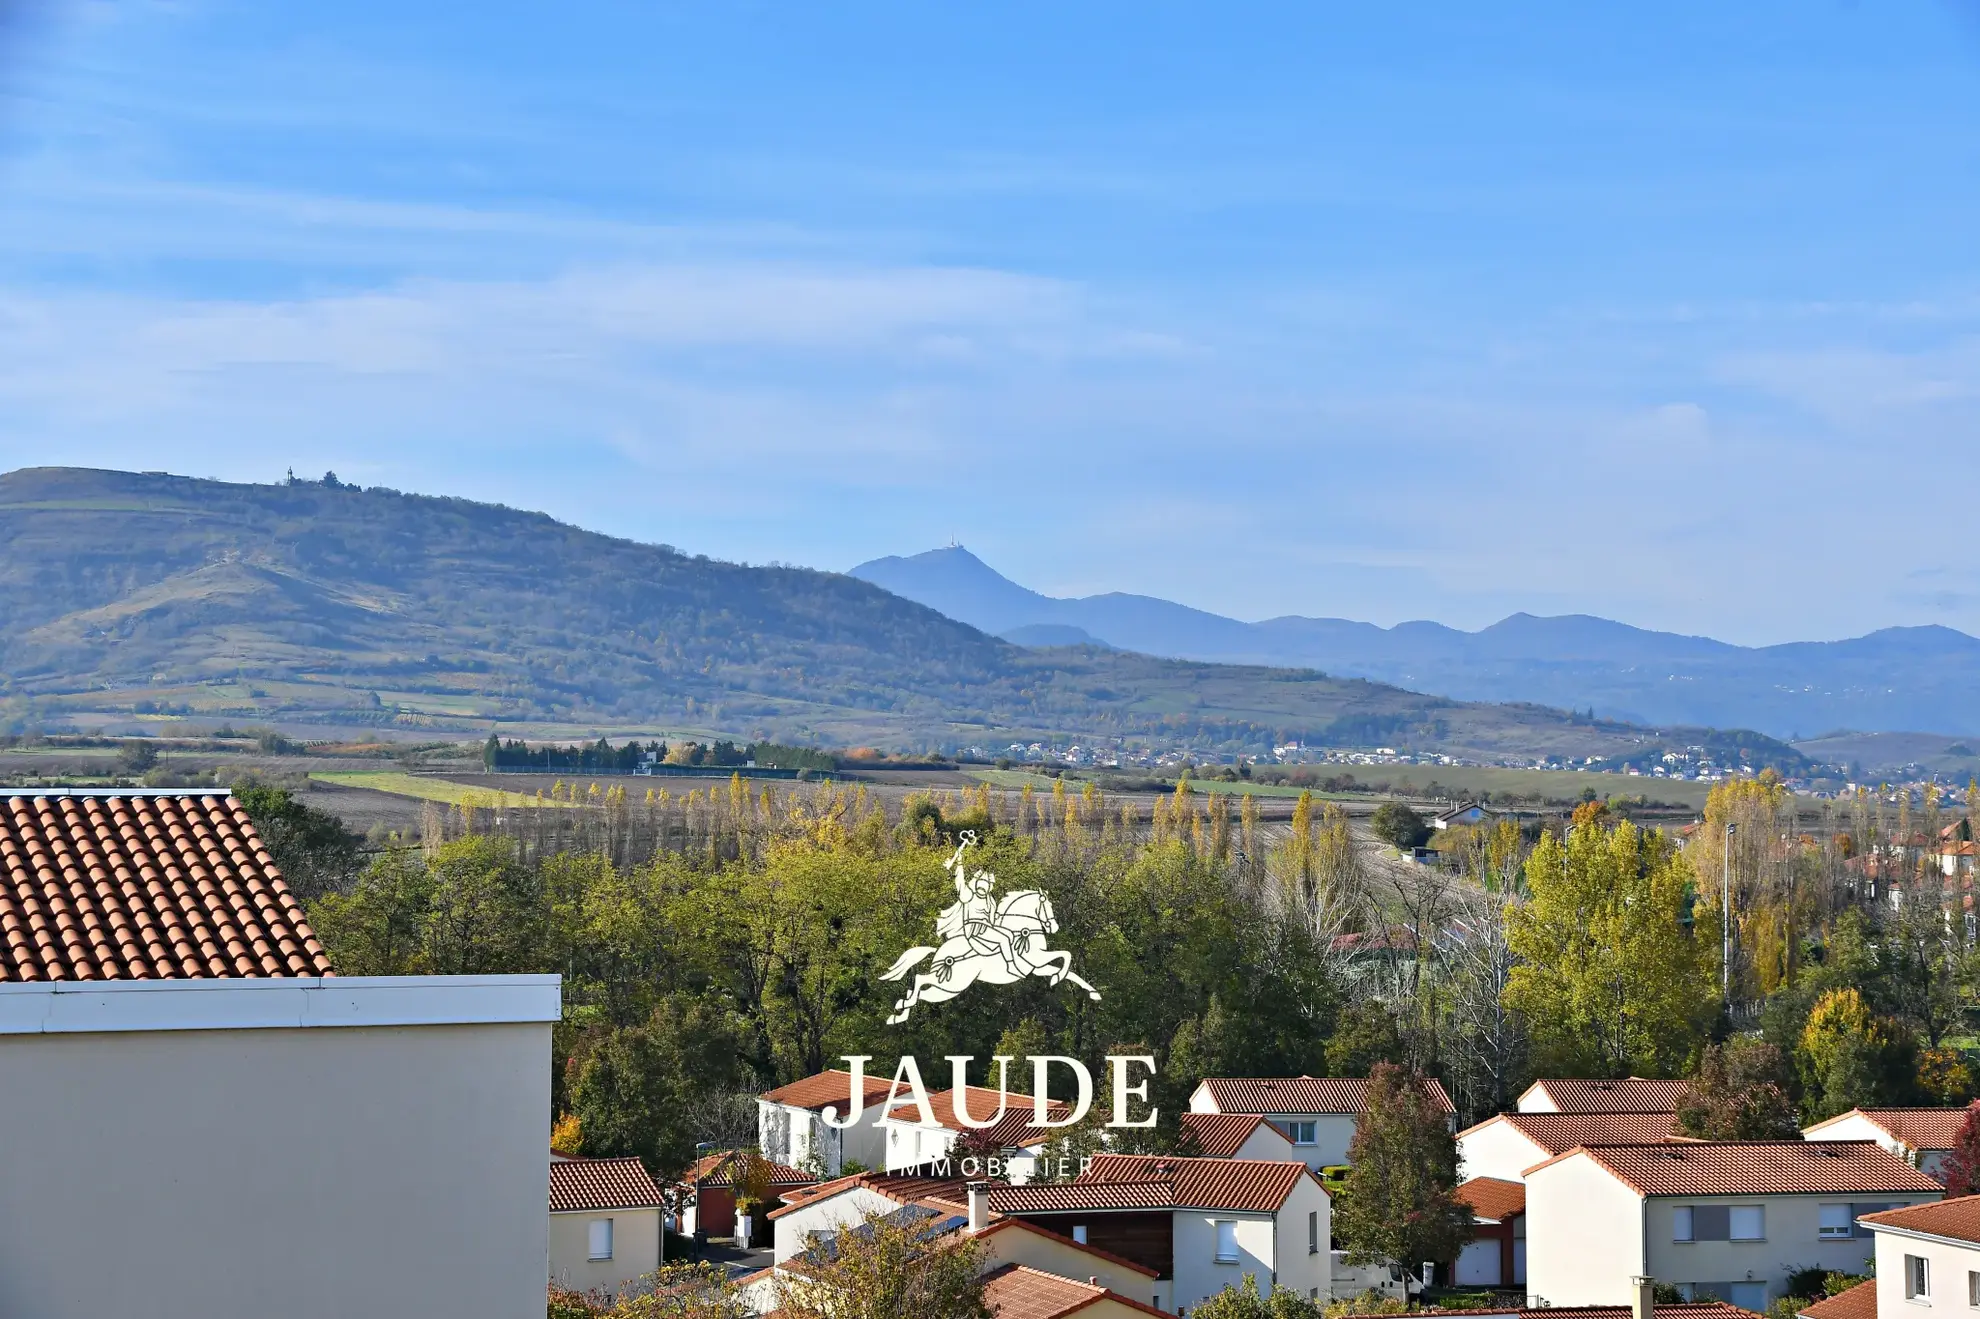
(147, 595)
(1895, 679)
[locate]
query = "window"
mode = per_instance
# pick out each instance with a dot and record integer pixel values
(1747, 1295)
(1748, 1223)
(1973, 1289)
(1079, 1233)
(1313, 1232)
(1917, 1279)
(601, 1238)
(1227, 1251)
(1702, 1223)
(1837, 1223)
(1303, 1134)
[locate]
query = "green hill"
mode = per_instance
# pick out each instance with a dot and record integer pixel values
(311, 602)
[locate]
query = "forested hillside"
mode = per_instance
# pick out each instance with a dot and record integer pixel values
(318, 600)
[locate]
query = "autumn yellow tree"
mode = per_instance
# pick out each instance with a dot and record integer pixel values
(1609, 978)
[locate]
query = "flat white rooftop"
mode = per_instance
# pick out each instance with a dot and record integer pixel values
(79, 1006)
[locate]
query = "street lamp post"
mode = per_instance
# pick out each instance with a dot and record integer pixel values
(1725, 917)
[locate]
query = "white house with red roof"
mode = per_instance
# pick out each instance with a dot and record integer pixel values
(791, 1127)
(1507, 1145)
(605, 1223)
(1318, 1114)
(1496, 1254)
(203, 1122)
(1630, 1094)
(1008, 1122)
(1200, 1223)
(1238, 1136)
(1030, 1269)
(1726, 1219)
(1927, 1259)
(1922, 1137)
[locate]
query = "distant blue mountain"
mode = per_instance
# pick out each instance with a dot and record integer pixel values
(1900, 678)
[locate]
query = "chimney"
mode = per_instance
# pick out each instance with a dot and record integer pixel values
(1644, 1306)
(979, 1207)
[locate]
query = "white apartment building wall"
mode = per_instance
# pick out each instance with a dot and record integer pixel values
(789, 1135)
(1950, 1270)
(1498, 1149)
(310, 1147)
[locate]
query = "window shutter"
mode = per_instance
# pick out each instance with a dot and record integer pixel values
(1227, 1249)
(1749, 1223)
(1681, 1224)
(601, 1238)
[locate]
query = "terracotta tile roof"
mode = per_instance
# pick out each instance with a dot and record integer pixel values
(1020, 1225)
(832, 1087)
(1760, 1167)
(1298, 1094)
(902, 1188)
(577, 1185)
(1915, 1128)
(1493, 1198)
(1014, 1130)
(1958, 1219)
(1859, 1302)
(1633, 1094)
(716, 1170)
(1220, 1135)
(1556, 1132)
(120, 886)
(1687, 1310)
(1018, 1291)
(1150, 1181)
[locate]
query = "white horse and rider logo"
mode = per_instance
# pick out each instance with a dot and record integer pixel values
(999, 941)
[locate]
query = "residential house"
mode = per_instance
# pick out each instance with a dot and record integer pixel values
(1927, 1260)
(707, 1194)
(1318, 1114)
(1201, 1224)
(1013, 1129)
(1468, 814)
(1922, 1137)
(944, 1205)
(1635, 1094)
(1729, 1220)
(201, 1120)
(1496, 1254)
(1504, 1147)
(605, 1223)
(1237, 1136)
(1018, 1291)
(791, 1127)
(1641, 1309)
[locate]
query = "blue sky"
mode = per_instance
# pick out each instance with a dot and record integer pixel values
(1669, 313)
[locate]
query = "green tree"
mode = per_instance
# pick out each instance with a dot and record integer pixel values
(636, 1092)
(883, 1268)
(314, 851)
(379, 928)
(1740, 1093)
(1367, 1034)
(1400, 826)
(1244, 1302)
(1609, 980)
(1851, 1057)
(1399, 1201)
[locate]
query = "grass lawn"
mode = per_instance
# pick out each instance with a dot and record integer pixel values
(426, 789)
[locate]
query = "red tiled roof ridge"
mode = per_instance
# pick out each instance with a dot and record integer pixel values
(1650, 1168)
(1956, 1219)
(1036, 1294)
(1494, 1199)
(714, 1170)
(1651, 1094)
(1922, 1127)
(579, 1185)
(1858, 1302)
(904, 1187)
(831, 1086)
(1538, 1127)
(119, 884)
(1306, 1094)
(1222, 1134)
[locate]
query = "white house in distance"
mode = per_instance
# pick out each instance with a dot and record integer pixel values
(1318, 1114)
(1201, 1224)
(1717, 1219)
(791, 1127)
(1469, 813)
(1029, 1270)
(1507, 1145)
(1634, 1094)
(605, 1223)
(1928, 1260)
(201, 1122)
(1921, 1136)
(911, 1143)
